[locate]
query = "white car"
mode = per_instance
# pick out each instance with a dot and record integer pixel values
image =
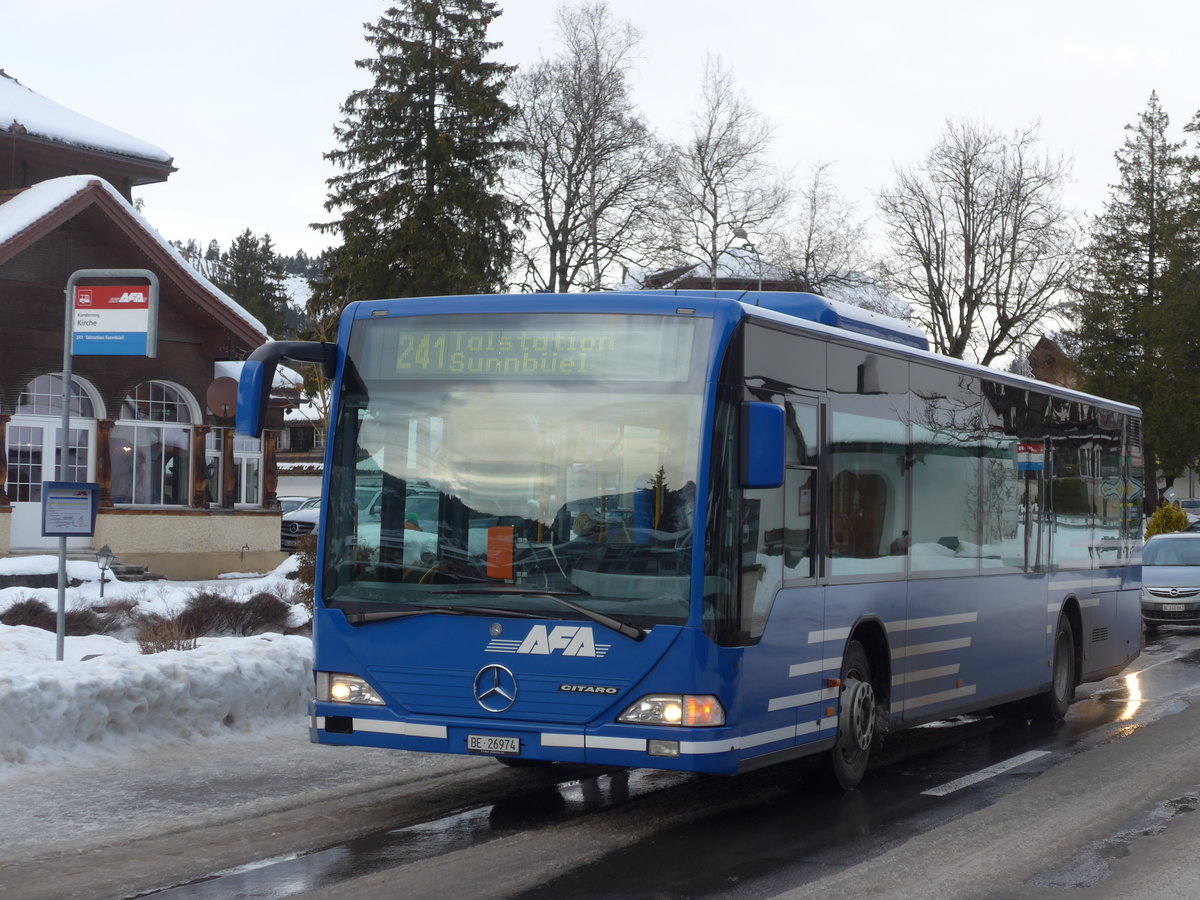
(417, 544)
(291, 504)
(296, 524)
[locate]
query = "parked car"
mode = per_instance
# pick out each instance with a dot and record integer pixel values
(296, 524)
(291, 504)
(420, 534)
(1171, 579)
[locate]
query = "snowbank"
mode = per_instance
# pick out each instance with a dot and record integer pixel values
(107, 699)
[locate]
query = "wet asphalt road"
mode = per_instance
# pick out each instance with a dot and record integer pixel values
(1073, 811)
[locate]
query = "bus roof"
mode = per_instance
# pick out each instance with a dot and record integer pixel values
(815, 308)
(831, 318)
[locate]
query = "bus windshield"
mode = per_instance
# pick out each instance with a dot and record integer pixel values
(487, 464)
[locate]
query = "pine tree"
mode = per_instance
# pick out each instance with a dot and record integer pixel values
(419, 201)
(251, 273)
(1120, 332)
(1177, 379)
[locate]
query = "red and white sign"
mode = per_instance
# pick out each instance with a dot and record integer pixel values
(111, 319)
(113, 296)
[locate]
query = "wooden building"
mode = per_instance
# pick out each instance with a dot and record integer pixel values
(179, 493)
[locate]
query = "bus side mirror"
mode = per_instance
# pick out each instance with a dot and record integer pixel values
(762, 445)
(258, 374)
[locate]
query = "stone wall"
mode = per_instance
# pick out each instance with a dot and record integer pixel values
(203, 543)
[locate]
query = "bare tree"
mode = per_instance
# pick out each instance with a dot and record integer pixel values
(981, 243)
(590, 172)
(724, 185)
(823, 246)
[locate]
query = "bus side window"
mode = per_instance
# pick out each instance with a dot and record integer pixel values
(800, 490)
(868, 535)
(762, 556)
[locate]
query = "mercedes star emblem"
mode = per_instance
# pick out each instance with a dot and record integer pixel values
(495, 688)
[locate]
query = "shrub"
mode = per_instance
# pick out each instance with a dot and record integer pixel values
(83, 621)
(265, 612)
(210, 613)
(306, 569)
(157, 634)
(38, 614)
(206, 613)
(30, 612)
(1167, 519)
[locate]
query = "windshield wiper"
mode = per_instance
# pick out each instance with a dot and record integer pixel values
(361, 618)
(630, 631)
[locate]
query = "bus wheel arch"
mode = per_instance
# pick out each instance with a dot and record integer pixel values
(863, 705)
(1065, 667)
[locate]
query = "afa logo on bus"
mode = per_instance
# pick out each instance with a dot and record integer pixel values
(568, 640)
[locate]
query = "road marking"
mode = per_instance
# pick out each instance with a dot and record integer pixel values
(984, 774)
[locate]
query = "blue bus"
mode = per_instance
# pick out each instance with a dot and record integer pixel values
(699, 531)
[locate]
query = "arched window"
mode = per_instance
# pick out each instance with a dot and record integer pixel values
(151, 446)
(43, 397)
(35, 436)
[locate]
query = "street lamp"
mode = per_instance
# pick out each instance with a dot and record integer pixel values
(104, 559)
(740, 234)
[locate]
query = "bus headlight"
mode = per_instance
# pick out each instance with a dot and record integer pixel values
(692, 710)
(334, 687)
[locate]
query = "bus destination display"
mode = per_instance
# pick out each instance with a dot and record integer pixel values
(593, 348)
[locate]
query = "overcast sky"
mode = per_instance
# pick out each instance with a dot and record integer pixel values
(245, 94)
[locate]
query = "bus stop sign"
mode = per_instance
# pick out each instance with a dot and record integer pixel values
(114, 320)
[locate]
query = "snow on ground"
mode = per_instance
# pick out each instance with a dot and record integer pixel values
(106, 700)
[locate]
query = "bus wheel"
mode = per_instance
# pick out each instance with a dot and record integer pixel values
(845, 765)
(1052, 706)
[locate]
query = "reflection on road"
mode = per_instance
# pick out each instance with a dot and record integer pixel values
(1135, 697)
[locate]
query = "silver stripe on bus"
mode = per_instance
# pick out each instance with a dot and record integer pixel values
(378, 726)
(832, 634)
(839, 634)
(1084, 602)
(925, 674)
(1067, 584)
(932, 647)
(801, 699)
(833, 664)
(566, 740)
(616, 743)
(757, 740)
(725, 745)
(933, 622)
(930, 699)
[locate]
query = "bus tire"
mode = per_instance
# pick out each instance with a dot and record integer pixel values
(858, 733)
(1052, 706)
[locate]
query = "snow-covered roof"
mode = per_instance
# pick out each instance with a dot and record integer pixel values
(23, 111)
(304, 414)
(35, 203)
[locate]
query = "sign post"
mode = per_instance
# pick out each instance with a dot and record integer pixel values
(114, 314)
